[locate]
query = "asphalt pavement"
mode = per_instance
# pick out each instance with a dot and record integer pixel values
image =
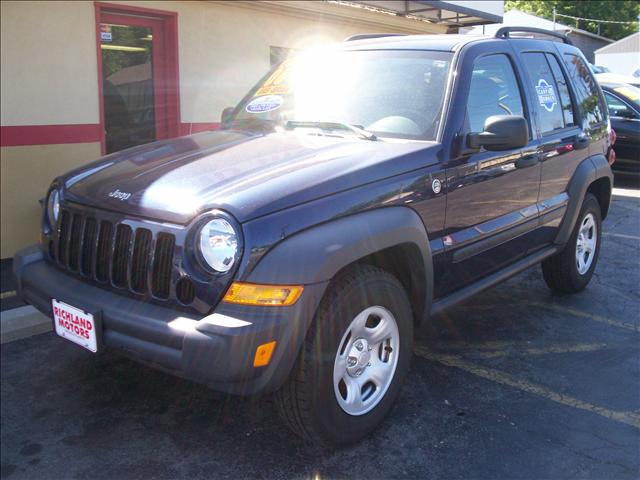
(514, 383)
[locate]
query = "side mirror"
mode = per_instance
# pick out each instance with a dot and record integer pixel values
(227, 113)
(501, 132)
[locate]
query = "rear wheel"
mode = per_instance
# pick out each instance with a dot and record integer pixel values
(355, 357)
(571, 270)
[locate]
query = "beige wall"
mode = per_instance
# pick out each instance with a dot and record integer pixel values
(48, 75)
(49, 69)
(224, 46)
(25, 175)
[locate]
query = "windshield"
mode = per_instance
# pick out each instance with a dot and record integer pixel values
(389, 93)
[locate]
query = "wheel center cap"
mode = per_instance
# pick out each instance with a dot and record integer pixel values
(358, 358)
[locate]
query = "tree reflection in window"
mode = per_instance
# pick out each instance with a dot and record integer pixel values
(586, 90)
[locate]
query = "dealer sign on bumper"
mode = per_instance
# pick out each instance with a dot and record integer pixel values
(75, 325)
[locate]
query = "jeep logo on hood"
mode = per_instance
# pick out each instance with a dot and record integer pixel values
(117, 194)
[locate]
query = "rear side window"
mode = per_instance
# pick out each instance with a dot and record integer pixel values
(545, 92)
(586, 91)
(493, 91)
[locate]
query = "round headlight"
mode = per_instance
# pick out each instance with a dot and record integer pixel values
(218, 244)
(53, 206)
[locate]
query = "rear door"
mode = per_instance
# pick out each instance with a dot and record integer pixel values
(491, 195)
(563, 142)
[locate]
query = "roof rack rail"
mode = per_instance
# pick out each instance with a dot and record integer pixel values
(366, 36)
(505, 31)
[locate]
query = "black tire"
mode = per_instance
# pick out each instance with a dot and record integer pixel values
(307, 402)
(561, 270)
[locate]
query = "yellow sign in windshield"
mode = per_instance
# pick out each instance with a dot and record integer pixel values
(276, 84)
(631, 94)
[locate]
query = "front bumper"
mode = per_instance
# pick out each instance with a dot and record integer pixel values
(208, 350)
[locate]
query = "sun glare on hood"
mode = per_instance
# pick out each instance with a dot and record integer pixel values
(162, 195)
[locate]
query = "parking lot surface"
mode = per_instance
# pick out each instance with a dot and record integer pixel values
(514, 383)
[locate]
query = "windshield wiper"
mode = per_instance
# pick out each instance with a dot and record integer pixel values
(361, 132)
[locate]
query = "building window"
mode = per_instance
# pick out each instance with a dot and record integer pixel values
(279, 54)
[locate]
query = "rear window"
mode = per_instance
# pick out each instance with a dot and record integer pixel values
(545, 91)
(590, 102)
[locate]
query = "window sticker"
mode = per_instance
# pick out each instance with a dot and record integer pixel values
(105, 33)
(276, 84)
(264, 104)
(546, 95)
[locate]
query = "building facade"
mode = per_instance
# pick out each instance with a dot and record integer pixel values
(621, 57)
(80, 79)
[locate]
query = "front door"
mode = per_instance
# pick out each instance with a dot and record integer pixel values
(491, 196)
(135, 80)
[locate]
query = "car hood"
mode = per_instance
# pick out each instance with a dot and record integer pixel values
(245, 174)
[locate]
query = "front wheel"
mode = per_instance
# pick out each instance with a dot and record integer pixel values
(571, 270)
(354, 359)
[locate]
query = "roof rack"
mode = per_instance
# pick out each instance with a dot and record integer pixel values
(366, 36)
(505, 31)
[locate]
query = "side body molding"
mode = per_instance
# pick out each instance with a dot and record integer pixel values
(589, 170)
(315, 255)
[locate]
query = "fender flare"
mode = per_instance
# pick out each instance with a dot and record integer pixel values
(589, 170)
(317, 254)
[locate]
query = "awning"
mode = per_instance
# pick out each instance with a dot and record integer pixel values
(453, 14)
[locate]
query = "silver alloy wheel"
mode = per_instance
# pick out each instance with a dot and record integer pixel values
(366, 360)
(586, 243)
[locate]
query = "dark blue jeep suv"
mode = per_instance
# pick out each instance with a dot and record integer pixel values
(351, 194)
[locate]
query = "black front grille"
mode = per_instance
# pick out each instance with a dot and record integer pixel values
(115, 253)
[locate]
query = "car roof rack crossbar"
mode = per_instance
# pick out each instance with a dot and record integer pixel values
(504, 32)
(366, 36)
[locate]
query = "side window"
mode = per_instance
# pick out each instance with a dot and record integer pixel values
(563, 90)
(545, 92)
(617, 108)
(586, 90)
(493, 91)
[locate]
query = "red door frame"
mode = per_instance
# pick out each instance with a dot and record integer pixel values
(165, 62)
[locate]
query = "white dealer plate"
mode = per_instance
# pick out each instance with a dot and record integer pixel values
(75, 325)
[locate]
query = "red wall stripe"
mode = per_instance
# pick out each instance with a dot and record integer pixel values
(48, 134)
(23, 135)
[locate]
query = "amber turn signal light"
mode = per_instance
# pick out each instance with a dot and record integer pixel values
(263, 295)
(263, 354)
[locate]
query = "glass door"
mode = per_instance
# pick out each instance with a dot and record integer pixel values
(134, 110)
